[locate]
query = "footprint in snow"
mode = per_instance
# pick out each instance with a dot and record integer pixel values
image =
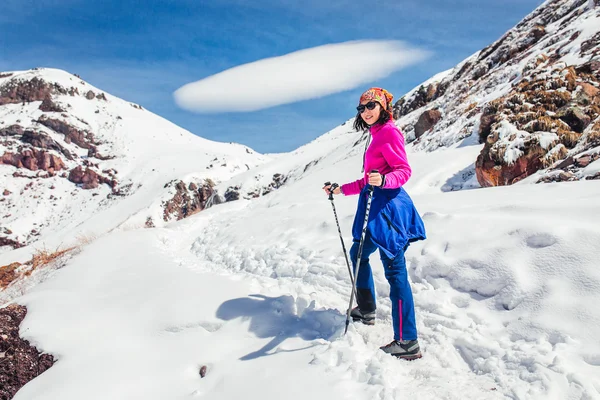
(541, 240)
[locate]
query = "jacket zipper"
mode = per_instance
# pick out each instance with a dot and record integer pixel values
(389, 222)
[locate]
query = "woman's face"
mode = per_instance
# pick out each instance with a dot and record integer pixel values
(371, 116)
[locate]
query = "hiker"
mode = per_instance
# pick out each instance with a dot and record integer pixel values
(393, 221)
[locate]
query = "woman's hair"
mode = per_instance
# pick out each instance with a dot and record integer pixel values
(360, 124)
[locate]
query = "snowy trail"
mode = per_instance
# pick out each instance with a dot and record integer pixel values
(356, 357)
(478, 342)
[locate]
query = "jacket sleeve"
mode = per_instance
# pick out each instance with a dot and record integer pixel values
(395, 155)
(352, 188)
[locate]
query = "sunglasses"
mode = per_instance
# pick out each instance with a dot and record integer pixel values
(369, 106)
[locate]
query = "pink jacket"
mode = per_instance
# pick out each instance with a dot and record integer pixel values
(386, 153)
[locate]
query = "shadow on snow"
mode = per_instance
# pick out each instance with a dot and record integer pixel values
(281, 318)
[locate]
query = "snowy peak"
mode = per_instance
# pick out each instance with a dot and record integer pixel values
(69, 150)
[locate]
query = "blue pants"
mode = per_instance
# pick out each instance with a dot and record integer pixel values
(403, 309)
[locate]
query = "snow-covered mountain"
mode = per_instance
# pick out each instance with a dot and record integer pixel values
(532, 97)
(70, 152)
(248, 298)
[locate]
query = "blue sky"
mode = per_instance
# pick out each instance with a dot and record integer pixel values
(142, 51)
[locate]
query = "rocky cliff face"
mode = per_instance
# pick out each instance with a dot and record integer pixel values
(532, 98)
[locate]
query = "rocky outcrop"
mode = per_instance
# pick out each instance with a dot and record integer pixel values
(426, 121)
(12, 130)
(188, 200)
(491, 172)
(88, 178)
(26, 91)
(49, 106)
(422, 97)
(4, 241)
(535, 125)
(20, 362)
(33, 160)
(43, 141)
(81, 138)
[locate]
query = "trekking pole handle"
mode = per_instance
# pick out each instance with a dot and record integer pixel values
(373, 171)
(333, 186)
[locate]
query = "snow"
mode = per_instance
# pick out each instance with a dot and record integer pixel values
(309, 73)
(505, 287)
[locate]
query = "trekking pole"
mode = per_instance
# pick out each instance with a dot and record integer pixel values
(360, 249)
(331, 189)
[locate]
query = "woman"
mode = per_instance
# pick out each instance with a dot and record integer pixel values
(393, 221)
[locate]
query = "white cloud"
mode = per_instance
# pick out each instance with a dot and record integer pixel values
(301, 75)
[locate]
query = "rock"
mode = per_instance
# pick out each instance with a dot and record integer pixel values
(232, 194)
(90, 95)
(12, 130)
(4, 241)
(485, 126)
(591, 45)
(590, 67)
(6, 192)
(21, 362)
(203, 371)
(188, 202)
(574, 117)
(593, 177)
(431, 90)
(588, 89)
(16, 91)
(583, 161)
(537, 33)
(49, 106)
(81, 138)
(404, 106)
(43, 141)
(565, 163)
(88, 178)
(426, 121)
(566, 176)
(33, 159)
(491, 173)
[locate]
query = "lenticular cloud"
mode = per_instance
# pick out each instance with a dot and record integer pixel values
(301, 75)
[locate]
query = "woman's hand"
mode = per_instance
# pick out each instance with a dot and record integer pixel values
(375, 179)
(327, 189)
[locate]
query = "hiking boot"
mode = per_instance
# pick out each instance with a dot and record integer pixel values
(405, 349)
(365, 318)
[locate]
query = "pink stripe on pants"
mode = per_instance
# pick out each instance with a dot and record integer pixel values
(400, 317)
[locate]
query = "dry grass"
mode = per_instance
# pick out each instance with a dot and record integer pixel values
(40, 259)
(43, 257)
(593, 136)
(8, 274)
(553, 157)
(568, 137)
(83, 239)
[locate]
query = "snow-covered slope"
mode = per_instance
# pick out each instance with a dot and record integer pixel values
(89, 153)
